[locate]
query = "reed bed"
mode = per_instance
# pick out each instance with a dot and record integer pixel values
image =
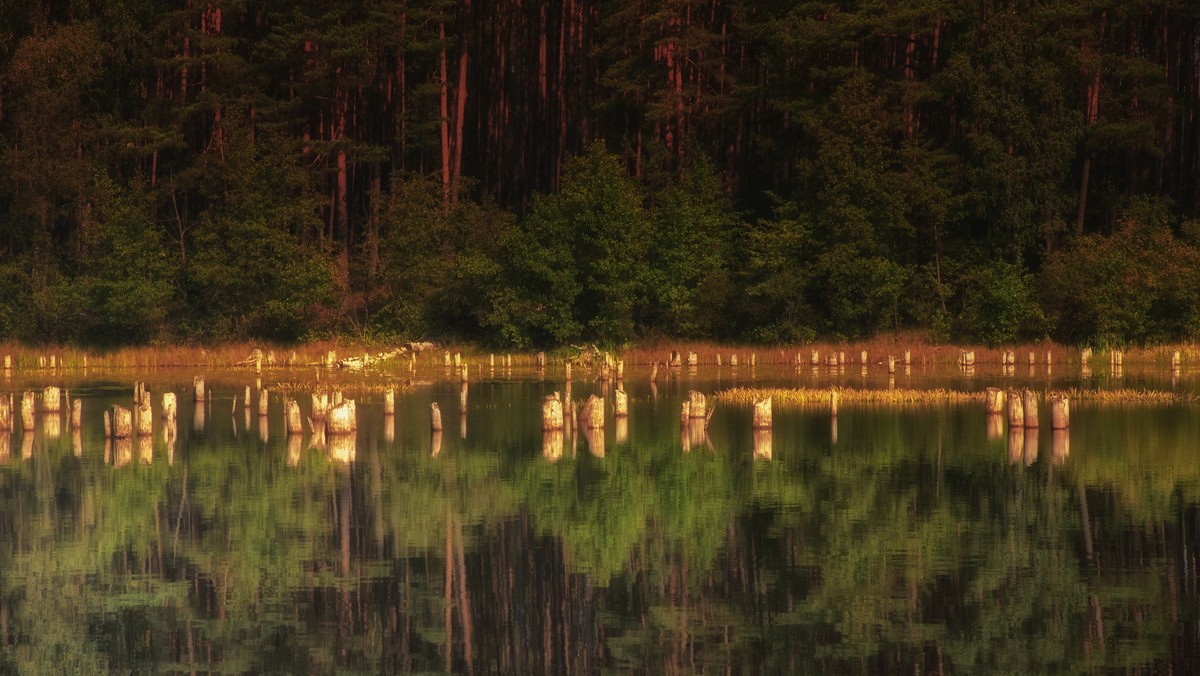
(1126, 396)
(805, 396)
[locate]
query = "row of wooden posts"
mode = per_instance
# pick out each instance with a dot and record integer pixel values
(52, 403)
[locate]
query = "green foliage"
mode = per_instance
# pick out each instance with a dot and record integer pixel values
(999, 304)
(581, 256)
(1138, 284)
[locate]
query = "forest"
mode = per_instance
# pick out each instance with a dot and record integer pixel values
(527, 174)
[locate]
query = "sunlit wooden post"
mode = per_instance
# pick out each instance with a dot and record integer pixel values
(435, 417)
(6, 414)
(263, 402)
(1016, 409)
(1031, 408)
(389, 402)
(145, 417)
(28, 404)
(762, 414)
(342, 418)
(862, 358)
(833, 403)
(552, 413)
(567, 370)
(51, 400)
(292, 418)
(169, 408)
(593, 413)
(198, 393)
(620, 404)
(697, 406)
(320, 405)
(891, 364)
(995, 401)
(1060, 412)
(122, 422)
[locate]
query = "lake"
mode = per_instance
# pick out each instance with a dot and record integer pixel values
(905, 539)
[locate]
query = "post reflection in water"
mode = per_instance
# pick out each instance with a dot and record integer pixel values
(1060, 445)
(1016, 444)
(435, 443)
(996, 424)
(595, 440)
(552, 444)
(77, 442)
(145, 449)
(1031, 445)
(498, 559)
(5, 445)
(52, 425)
(264, 429)
(198, 417)
(762, 444)
(833, 430)
(621, 430)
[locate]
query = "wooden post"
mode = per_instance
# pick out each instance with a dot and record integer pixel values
(833, 403)
(541, 359)
(891, 364)
(342, 418)
(457, 360)
(697, 406)
(654, 372)
(733, 360)
(169, 409)
(1060, 412)
(51, 400)
(1032, 359)
(6, 414)
(492, 360)
(107, 424)
(1049, 357)
(446, 359)
(908, 357)
(389, 402)
(462, 399)
(292, 419)
(593, 413)
(466, 371)
(28, 404)
(435, 417)
(198, 393)
(621, 404)
(1016, 409)
(862, 357)
(753, 359)
(263, 402)
(762, 414)
(246, 399)
(320, 405)
(815, 358)
(620, 369)
(1031, 408)
(693, 359)
(552, 413)
(122, 422)
(145, 417)
(7, 362)
(841, 358)
(995, 401)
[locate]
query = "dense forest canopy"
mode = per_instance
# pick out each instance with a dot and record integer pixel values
(528, 173)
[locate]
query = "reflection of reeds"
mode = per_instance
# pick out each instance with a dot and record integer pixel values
(1126, 396)
(819, 397)
(805, 396)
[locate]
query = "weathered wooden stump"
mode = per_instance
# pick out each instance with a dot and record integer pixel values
(1031, 408)
(342, 418)
(320, 405)
(1016, 409)
(996, 401)
(263, 402)
(833, 403)
(435, 417)
(198, 393)
(122, 422)
(389, 402)
(51, 400)
(292, 420)
(145, 416)
(697, 406)
(6, 414)
(762, 414)
(1060, 412)
(552, 413)
(593, 413)
(28, 409)
(620, 404)
(170, 410)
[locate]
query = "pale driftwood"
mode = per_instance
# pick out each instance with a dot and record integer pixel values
(342, 418)
(1031, 408)
(1016, 409)
(122, 422)
(762, 414)
(995, 401)
(552, 413)
(1060, 412)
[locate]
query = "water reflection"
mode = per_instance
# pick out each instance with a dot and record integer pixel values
(198, 417)
(595, 440)
(5, 445)
(621, 430)
(435, 443)
(996, 424)
(52, 425)
(504, 559)
(145, 449)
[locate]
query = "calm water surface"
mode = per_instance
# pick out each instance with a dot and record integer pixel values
(914, 540)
